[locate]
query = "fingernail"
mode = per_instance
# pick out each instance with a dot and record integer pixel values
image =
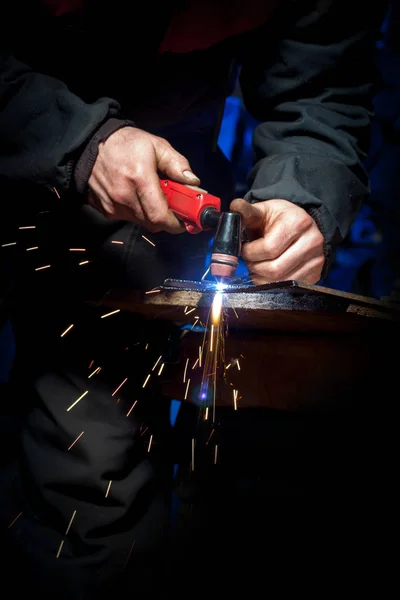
(191, 176)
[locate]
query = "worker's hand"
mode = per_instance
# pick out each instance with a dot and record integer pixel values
(284, 242)
(124, 183)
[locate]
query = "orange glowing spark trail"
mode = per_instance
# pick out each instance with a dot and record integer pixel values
(9, 244)
(70, 522)
(108, 489)
(41, 268)
(150, 442)
(32, 248)
(15, 519)
(66, 331)
(116, 242)
(28, 227)
(146, 380)
(131, 408)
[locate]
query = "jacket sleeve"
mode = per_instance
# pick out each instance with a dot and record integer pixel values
(312, 95)
(44, 127)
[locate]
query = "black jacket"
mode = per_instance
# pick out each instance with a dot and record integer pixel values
(307, 75)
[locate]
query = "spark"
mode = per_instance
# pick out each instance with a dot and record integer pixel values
(211, 338)
(91, 364)
(144, 431)
(195, 364)
(195, 323)
(66, 331)
(153, 291)
(187, 389)
(242, 356)
(147, 345)
(108, 488)
(200, 354)
(28, 227)
(131, 408)
(44, 267)
(206, 414)
(190, 311)
(184, 374)
(70, 522)
(83, 262)
(157, 361)
(161, 369)
(74, 442)
(60, 548)
(210, 436)
(15, 519)
(9, 244)
(193, 445)
(150, 442)
(97, 370)
(228, 366)
(114, 312)
(79, 399)
(119, 387)
(116, 242)
(32, 248)
(146, 380)
(237, 364)
(205, 274)
(215, 454)
(147, 240)
(129, 555)
(235, 397)
(56, 192)
(77, 249)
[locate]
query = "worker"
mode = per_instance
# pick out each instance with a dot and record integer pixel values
(98, 100)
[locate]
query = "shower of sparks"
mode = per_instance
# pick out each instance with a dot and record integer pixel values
(41, 268)
(193, 446)
(32, 248)
(185, 371)
(120, 386)
(56, 192)
(187, 389)
(59, 549)
(117, 242)
(74, 442)
(156, 363)
(97, 370)
(28, 227)
(113, 312)
(161, 369)
(70, 522)
(146, 380)
(15, 519)
(150, 442)
(9, 244)
(66, 331)
(84, 262)
(77, 249)
(108, 489)
(153, 291)
(78, 400)
(147, 240)
(131, 408)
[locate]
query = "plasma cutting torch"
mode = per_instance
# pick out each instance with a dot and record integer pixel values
(200, 211)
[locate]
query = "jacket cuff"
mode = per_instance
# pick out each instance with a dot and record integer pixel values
(83, 167)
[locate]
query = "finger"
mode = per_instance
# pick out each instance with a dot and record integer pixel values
(173, 164)
(308, 249)
(253, 215)
(272, 244)
(154, 204)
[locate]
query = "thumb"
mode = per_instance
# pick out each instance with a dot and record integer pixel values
(253, 215)
(174, 165)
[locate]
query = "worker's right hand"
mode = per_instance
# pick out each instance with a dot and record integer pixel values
(125, 184)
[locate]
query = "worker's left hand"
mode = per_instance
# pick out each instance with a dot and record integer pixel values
(284, 242)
